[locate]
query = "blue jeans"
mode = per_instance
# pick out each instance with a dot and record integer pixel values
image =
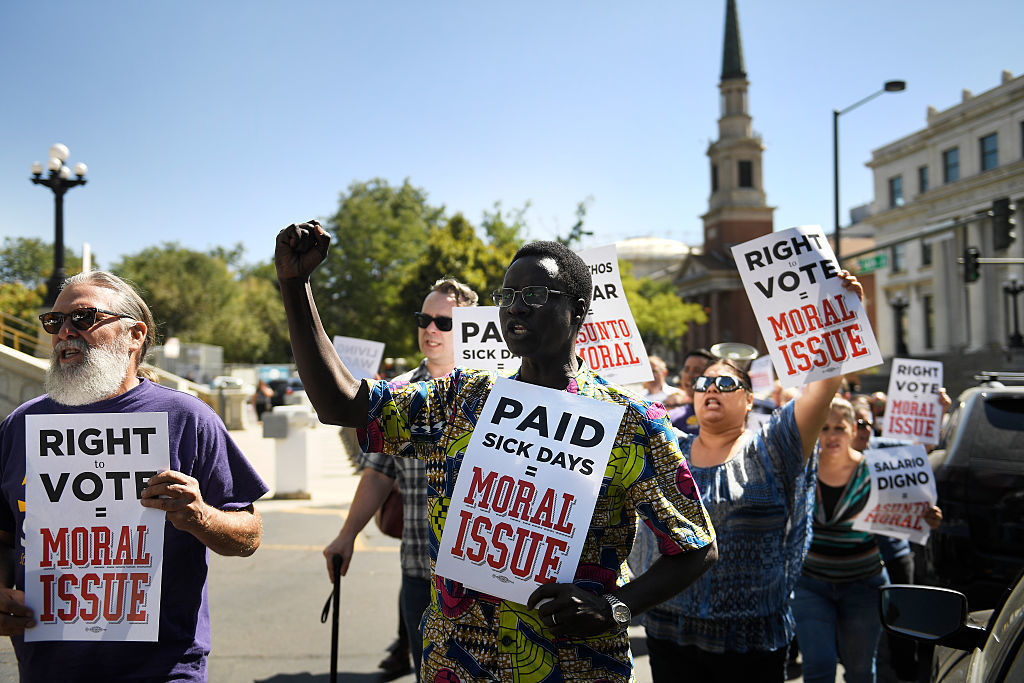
(846, 614)
(414, 599)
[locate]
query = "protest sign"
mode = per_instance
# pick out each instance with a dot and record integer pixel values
(93, 554)
(902, 491)
(526, 489)
(360, 356)
(609, 340)
(813, 328)
(762, 379)
(912, 409)
(478, 341)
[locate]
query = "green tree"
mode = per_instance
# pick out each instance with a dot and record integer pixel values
(28, 261)
(377, 237)
(196, 297)
(661, 316)
(574, 240)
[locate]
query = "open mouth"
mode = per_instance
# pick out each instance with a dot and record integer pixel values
(515, 330)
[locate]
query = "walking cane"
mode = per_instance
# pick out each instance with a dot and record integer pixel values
(335, 599)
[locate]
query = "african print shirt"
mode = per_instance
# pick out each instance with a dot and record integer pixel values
(411, 477)
(760, 502)
(470, 635)
(840, 553)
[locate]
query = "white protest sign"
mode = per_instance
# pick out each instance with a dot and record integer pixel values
(93, 554)
(913, 410)
(360, 356)
(526, 489)
(813, 328)
(762, 379)
(609, 340)
(478, 342)
(902, 491)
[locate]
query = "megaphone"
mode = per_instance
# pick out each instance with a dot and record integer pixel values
(734, 351)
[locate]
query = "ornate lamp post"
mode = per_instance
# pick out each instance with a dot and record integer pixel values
(899, 305)
(59, 181)
(1012, 290)
(890, 86)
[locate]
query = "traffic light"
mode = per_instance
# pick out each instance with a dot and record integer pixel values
(1003, 223)
(971, 273)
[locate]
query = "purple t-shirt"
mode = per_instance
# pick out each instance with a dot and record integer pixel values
(199, 447)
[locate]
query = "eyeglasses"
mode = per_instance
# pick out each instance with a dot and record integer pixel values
(80, 318)
(864, 424)
(443, 322)
(534, 295)
(723, 383)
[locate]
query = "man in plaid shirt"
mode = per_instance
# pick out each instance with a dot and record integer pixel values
(434, 333)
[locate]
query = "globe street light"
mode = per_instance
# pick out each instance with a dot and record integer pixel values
(1012, 290)
(890, 86)
(60, 181)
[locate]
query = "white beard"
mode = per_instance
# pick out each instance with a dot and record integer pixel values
(99, 375)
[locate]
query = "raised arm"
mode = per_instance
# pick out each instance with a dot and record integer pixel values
(338, 397)
(812, 406)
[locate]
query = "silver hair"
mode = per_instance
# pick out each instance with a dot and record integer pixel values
(129, 302)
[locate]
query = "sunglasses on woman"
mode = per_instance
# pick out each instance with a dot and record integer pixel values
(80, 318)
(443, 322)
(723, 383)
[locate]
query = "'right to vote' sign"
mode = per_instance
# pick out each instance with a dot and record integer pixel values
(812, 326)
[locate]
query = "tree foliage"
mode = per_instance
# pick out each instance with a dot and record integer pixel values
(661, 316)
(26, 264)
(196, 297)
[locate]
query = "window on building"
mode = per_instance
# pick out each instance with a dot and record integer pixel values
(927, 302)
(746, 174)
(989, 151)
(951, 165)
(895, 191)
(926, 253)
(714, 177)
(922, 179)
(899, 257)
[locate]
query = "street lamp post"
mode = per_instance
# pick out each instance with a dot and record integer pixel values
(59, 181)
(1012, 289)
(899, 305)
(890, 86)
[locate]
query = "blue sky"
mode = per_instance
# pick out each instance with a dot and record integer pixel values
(212, 123)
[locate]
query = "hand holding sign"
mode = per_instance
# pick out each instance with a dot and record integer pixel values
(178, 494)
(15, 616)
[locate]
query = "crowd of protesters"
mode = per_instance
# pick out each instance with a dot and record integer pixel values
(739, 540)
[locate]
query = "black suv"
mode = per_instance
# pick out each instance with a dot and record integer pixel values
(979, 474)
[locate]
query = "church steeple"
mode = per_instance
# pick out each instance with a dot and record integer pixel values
(732, 50)
(737, 207)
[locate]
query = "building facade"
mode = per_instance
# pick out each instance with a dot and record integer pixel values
(938, 192)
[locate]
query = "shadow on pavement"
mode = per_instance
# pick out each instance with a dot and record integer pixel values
(343, 677)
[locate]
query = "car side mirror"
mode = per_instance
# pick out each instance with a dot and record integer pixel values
(924, 613)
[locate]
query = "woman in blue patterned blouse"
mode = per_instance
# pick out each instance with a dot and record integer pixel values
(734, 623)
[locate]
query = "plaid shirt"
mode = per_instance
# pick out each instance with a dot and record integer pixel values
(412, 482)
(469, 635)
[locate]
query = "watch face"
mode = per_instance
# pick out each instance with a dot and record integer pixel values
(621, 613)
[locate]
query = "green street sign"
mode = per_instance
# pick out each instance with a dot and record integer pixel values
(869, 264)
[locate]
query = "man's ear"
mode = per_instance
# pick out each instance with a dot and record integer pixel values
(579, 310)
(137, 332)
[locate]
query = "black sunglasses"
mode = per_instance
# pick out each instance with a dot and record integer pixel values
(534, 295)
(80, 318)
(443, 322)
(723, 383)
(864, 424)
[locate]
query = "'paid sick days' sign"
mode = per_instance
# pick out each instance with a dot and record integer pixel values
(813, 328)
(526, 489)
(93, 554)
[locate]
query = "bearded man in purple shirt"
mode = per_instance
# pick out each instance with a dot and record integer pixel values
(101, 329)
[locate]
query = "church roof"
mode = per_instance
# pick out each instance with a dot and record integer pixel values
(732, 50)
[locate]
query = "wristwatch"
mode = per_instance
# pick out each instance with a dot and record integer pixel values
(620, 612)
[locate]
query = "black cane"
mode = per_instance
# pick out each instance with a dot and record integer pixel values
(335, 601)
